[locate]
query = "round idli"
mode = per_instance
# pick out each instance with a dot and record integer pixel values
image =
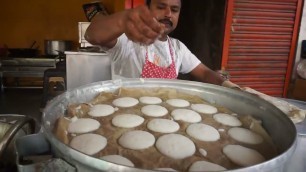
(163, 125)
(175, 146)
(227, 119)
(203, 132)
(125, 102)
(127, 120)
(89, 144)
(100, 110)
(83, 125)
(178, 103)
(245, 136)
(204, 108)
(205, 166)
(154, 110)
(118, 159)
(136, 140)
(186, 115)
(150, 100)
(243, 156)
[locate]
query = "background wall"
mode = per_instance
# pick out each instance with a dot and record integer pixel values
(23, 22)
(201, 28)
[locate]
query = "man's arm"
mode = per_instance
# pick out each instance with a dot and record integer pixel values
(204, 74)
(138, 24)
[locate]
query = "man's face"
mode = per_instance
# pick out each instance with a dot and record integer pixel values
(166, 12)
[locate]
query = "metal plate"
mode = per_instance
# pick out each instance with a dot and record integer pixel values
(274, 121)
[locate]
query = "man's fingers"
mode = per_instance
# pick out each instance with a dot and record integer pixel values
(142, 27)
(147, 31)
(140, 17)
(149, 20)
(137, 26)
(230, 84)
(133, 34)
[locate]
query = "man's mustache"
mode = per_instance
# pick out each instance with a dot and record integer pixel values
(166, 21)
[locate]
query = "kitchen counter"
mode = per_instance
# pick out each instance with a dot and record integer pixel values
(84, 53)
(25, 67)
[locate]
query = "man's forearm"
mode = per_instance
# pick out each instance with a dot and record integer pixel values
(204, 74)
(213, 77)
(104, 30)
(138, 24)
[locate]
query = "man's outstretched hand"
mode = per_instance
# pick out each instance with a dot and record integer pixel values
(141, 26)
(230, 84)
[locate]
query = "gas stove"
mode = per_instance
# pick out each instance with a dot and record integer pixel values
(26, 67)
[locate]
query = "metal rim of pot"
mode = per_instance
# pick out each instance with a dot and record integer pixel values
(274, 121)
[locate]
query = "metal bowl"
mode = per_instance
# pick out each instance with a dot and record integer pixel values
(276, 123)
(301, 69)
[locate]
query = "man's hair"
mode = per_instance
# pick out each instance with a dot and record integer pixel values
(148, 2)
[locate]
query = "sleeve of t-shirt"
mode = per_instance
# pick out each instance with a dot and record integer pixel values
(119, 49)
(189, 60)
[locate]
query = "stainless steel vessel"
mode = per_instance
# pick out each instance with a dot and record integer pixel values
(55, 47)
(12, 126)
(277, 124)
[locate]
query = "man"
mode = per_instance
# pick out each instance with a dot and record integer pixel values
(138, 41)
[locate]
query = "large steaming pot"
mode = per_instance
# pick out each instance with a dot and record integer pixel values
(277, 124)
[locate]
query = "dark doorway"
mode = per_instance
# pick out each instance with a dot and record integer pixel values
(201, 29)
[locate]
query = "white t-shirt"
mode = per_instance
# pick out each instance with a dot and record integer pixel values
(129, 57)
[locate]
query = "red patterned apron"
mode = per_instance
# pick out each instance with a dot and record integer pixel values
(151, 70)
